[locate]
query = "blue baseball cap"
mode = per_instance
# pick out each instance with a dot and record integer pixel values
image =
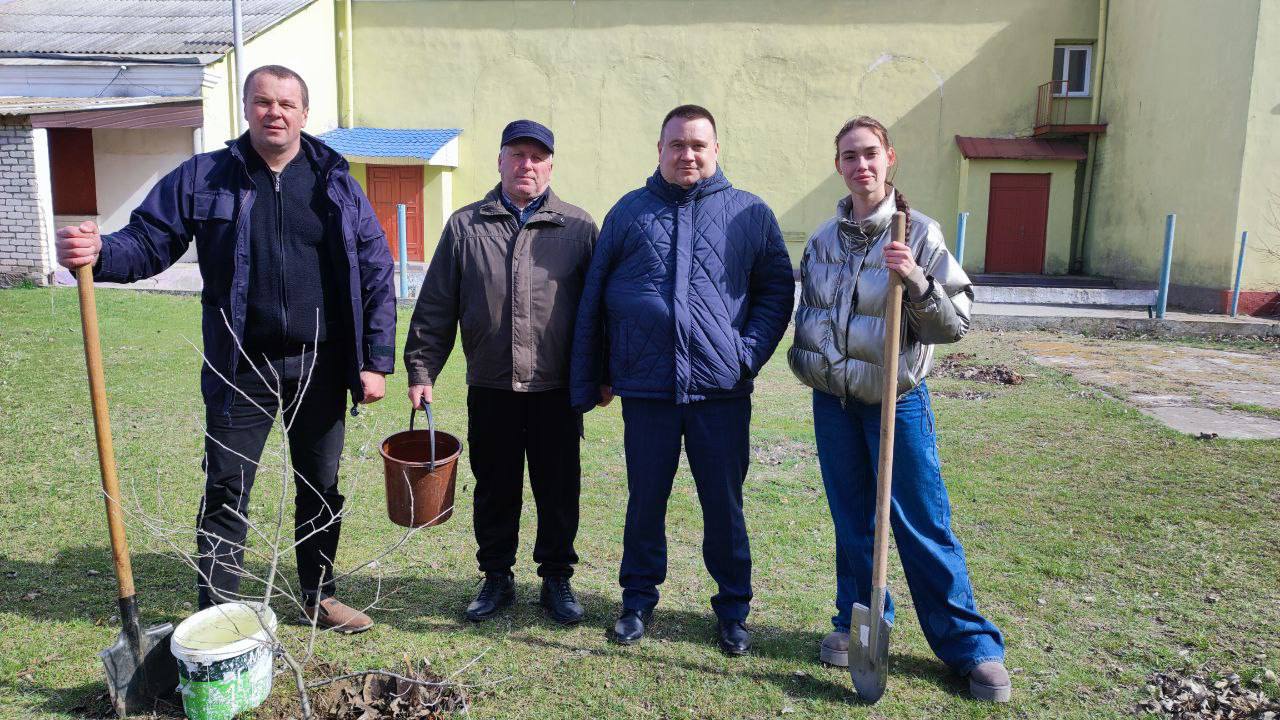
(529, 130)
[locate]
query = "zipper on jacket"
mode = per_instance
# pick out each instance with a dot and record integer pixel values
(284, 299)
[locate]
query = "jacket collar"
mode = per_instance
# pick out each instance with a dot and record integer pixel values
(676, 195)
(873, 224)
(553, 208)
(321, 155)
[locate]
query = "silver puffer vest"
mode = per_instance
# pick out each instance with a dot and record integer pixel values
(839, 334)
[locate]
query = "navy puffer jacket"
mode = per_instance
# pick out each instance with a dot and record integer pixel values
(688, 293)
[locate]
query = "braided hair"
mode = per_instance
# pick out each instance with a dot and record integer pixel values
(875, 126)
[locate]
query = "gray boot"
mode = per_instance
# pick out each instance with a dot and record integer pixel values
(835, 649)
(989, 682)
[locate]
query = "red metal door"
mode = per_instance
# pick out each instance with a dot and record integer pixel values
(391, 185)
(1017, 215)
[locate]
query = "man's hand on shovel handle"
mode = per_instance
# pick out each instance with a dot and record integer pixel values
(78, 245)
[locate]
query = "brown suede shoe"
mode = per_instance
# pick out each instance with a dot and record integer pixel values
(989, 681)
(337, 617)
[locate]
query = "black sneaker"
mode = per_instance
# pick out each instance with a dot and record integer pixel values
(559, 602)
(496, 593)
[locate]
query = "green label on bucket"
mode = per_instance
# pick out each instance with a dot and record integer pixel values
(222, 689)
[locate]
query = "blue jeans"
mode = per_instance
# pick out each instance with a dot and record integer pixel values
(715, 435)
(920, 514)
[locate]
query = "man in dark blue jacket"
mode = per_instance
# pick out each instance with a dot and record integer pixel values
(689, 291)
(298, 309)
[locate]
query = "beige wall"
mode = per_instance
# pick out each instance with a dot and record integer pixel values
(303, 42)
(1062, 186)
(1176, 97)
(128, 163)
(780, 77)
(1260, 177)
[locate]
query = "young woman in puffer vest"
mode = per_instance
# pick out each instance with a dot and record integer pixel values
(838, 351)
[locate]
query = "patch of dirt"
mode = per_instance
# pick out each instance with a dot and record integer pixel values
(780, 452)
(415, 693)
(1202, 697)
(957, 366)
(960, 395)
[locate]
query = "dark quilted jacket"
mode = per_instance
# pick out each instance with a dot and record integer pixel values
(688, 293)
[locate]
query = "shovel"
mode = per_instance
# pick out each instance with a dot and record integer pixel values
(869, 656)
(140, 668)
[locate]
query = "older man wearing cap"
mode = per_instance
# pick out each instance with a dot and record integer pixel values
(509, 270)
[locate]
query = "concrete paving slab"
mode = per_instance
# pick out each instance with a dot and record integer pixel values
(1190, 389)
(1205, 421)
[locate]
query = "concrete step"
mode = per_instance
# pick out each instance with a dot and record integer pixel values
(1031, 280)
(1064, 295)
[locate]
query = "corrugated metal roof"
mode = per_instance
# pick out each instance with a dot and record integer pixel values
(389, 142)
(132, 27)
(40, 106)
(975, 148)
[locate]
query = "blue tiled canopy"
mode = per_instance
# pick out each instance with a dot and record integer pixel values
(389, 142)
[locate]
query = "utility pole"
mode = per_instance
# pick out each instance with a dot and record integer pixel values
(237, 40)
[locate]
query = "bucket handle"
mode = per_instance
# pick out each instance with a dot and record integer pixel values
(431, 429)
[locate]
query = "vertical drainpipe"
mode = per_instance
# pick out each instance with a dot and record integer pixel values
(346, 88)
(1095, 113)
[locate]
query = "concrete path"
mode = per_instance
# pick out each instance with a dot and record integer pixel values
(1228, 393)
(1089, 320)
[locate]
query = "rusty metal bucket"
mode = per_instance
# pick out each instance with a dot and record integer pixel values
(421, 468)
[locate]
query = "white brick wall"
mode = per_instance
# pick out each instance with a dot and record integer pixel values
(23, 247)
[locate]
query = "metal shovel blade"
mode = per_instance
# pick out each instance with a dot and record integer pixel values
(138, 678)
(869, 665)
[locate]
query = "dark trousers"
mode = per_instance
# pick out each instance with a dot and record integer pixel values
(234, 444)
(715, 434)
(503, 428)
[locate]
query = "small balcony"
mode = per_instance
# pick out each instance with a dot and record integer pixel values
(1059, 114)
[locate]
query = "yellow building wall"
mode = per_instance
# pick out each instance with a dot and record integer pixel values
(1062, 188)
(1176, 96)
(302, 42)
(1260, 176)
(780, 78)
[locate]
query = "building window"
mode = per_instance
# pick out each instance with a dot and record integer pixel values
(1072, 70)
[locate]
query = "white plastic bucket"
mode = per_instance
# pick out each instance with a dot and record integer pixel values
(224, 660)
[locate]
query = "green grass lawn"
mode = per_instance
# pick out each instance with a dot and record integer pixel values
(1105, 546)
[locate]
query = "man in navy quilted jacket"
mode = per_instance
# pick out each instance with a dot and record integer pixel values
(689, 291)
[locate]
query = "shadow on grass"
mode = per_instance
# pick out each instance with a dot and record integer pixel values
(437, 605)
(421, 604)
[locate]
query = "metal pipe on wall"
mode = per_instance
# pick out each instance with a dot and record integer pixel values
(404, 251)
(1162, 298)
(962, 222)
(1235, 294)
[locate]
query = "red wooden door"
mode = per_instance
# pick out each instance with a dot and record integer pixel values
(391, 185)
(1017, 215)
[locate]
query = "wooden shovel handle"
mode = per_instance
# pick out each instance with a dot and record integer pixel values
(102, 428)
(888, 411)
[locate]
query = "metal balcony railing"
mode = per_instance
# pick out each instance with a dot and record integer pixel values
(1052, 103)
